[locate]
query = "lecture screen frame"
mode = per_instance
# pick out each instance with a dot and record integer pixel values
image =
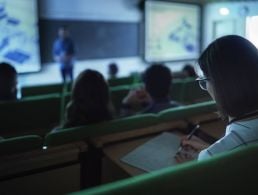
(172, 31)
(19, 37)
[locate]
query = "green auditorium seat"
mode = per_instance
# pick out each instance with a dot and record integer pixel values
(42, 89)
(192, 93)
(126, 124)
(176, 90)
(121, 81)
(29, 115)
(187, 111)
(20, 144)
(233, 172)
(69, 135)
(25, 168)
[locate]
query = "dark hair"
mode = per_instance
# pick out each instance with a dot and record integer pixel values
(189, 70)
(231, 64)
(112, 69)
(8, 81)
(90, 100)
(157, 79)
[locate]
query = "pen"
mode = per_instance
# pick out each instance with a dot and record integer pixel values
(189, 136)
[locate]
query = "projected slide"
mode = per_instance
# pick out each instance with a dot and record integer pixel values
(19, 39)
(172, 31)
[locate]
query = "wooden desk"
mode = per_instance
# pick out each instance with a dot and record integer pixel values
(114, 169)
(115, 152)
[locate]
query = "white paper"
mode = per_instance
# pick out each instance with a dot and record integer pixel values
(155, 154)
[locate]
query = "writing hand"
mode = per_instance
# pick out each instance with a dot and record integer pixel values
(190, 149)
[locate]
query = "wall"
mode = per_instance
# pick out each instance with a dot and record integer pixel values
(211, 15)
(104, 10)
(100, 28)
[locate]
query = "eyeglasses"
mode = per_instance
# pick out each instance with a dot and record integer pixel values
(202, 83)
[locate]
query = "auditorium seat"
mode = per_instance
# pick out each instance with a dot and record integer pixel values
(89, 131)
(20, 144)
(34, 114)
(231, 172)
(192, 93)
(27, 91)
(121, 81)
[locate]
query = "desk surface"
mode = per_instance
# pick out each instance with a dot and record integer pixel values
(116, 151)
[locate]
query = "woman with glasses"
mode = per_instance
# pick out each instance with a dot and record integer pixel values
(230, 69)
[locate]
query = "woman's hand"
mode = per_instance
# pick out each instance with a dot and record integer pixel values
(190, 149)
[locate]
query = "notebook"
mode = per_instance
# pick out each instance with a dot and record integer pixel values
(157, 153)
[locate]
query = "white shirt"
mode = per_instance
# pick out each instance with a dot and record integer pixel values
(239, 133)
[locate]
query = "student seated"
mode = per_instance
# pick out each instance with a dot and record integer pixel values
(90, 101)
(230, 69)
(112, 70)
(188, 71)
(8, 82)
(154, 96)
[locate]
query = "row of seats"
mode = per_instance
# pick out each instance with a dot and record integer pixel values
(128, 123)
(35, 114)
(183, 90)
(137, 121)
(57, 88)
(30, 113)
(228, 173)
(98, 134)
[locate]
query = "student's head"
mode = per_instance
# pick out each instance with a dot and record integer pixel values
(90, 99)
(112, 70)
(158, 79)
(8, 82)
(63, 31)
(230, 65)
(188, 71)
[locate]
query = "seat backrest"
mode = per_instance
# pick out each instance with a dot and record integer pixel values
(192, 93)
(127, 124)
(20, 144)
(176, 92)
(226, 173)
(27, 91)
(30, 114)
(115, 126)
(188, 111)
(121, 81)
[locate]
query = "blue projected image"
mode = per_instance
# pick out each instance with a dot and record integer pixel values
(182, 35)
(19, 35)
(172, 31)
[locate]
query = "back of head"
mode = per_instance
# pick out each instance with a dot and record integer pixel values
(8, 81)
(90, 99)
(112, 70)
(189, 71)
(231, 64)
(63, 31)
(158, 79)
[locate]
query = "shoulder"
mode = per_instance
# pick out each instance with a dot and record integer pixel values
(175, 104)
(236, 136)
(56, 129)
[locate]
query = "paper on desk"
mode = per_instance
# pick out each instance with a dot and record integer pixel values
(155, 154)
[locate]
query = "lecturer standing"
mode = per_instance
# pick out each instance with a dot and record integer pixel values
(64, 53)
